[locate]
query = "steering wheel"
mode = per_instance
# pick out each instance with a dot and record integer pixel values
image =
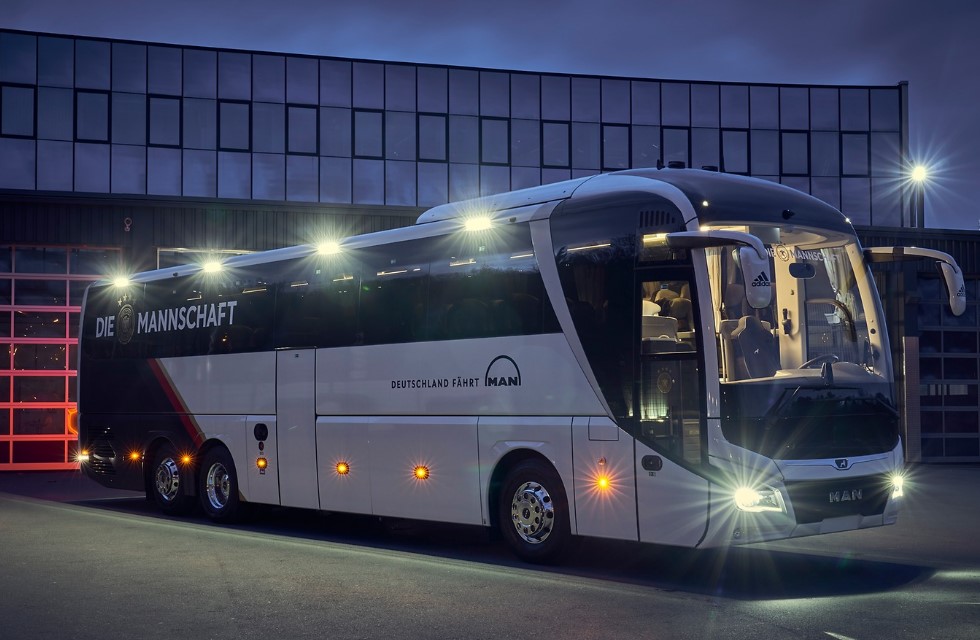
(812, 363)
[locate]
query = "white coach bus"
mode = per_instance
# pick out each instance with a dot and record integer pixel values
(673, 356)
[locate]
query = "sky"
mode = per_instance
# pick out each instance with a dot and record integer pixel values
(933, 45)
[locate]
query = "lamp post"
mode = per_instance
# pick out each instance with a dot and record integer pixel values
(919, 176)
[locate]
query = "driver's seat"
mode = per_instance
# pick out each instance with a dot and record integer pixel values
(755, 341)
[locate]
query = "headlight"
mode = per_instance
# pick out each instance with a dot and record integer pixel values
(758, 500)
(898, 485)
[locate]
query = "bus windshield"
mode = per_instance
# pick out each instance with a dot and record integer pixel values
(822, 308)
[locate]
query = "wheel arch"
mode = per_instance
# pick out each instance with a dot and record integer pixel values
(507, 462)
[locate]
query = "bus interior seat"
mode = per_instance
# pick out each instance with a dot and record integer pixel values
(663, 327)
(680, 308)
(733, 361)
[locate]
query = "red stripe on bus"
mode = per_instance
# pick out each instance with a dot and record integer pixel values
(176, 402)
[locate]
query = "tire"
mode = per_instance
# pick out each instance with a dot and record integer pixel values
(170, 480)
(533, 512)
(218, 488)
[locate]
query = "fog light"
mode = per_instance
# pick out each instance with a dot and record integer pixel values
(758, 500)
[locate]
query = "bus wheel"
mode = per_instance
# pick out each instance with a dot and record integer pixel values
(170, 481)
(533, 512)
(219, 486)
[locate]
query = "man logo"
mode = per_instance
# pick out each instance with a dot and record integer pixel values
(502, 372)
(842, 463)
(125, 324)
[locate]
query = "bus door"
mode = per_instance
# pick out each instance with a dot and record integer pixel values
(296, 434)
(668, 408)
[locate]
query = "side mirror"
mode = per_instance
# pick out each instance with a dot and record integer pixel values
(753, 258)
(951, 272)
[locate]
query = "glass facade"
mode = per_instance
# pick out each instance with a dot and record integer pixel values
(94, 116)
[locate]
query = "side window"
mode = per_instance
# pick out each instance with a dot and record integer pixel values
(393, 295)
(316, 304)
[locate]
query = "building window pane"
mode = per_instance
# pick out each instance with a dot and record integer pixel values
(854, 154)
(615, 147)
(200, 73)
(17, 161)
(826, 189)
(585, 145)
(886, 202)
(824, 110)
(92, 64)
(464, 92)
(302, 130)
(433, 187)
(794, 108)
(854, 110)
(555, 144)
(432, 137)
(55, 114)
(795, 154)
(234, 76)
(234, 175)
(164, 70)
(128, 67)
(646, 146)
(400, 183)
(129, 118)
(55, 62)
(645, 103)
(200, 173)
(464, 181)
(369, 182)
(735, 151)
(525, 143)
(676, 146)
(335, 180)
(824, 153)
(556, 98)
(735, 106)
(335, 83)
(92, 167)
(368, 135)
(165, 121)
(128, 171)
(433, 89)
(704, 105)
(369, 87)
(17, 115)
(18, 53)
(268, 78)
(400, 143)
(163, 168)
(234, 125)
(676, 103)
(616, 101)
(885, 110)
(705, 148)
(764, 108)
(335, 132)
(92, 116)
(464, 139)
(856, 199)
(585, 100)
(495, 141)
(886, 156)
(268, 128)
(765, 153)
(268, 176)
(200, 123)
(55, 165)
(494, 94)
(525, 96)
(302, 178)
(494, 179)
(400, 86)
(301, 81)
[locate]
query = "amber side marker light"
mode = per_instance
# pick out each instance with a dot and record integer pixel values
(343, 468)
(261, 463)
(135, 456)
(421, 472)
(186, 459)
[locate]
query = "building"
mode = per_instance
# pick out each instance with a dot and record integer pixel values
(123, 156)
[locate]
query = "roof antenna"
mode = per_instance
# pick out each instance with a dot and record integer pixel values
(660, 163)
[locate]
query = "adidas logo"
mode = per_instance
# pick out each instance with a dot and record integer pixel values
(962, 292)
(762, 280)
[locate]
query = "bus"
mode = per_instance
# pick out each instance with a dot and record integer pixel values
(672, 356)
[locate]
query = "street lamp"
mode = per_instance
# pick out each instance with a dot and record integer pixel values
(918, 176)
